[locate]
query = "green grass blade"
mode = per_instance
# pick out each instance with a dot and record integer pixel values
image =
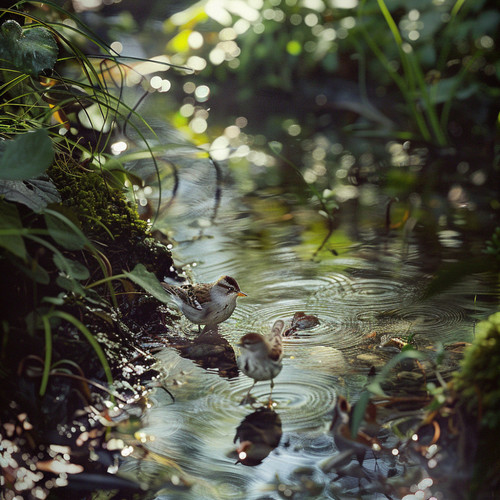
(91, 340)
(48, 354)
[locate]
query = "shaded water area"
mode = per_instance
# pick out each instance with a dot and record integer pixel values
(365, 286)
(336, 198)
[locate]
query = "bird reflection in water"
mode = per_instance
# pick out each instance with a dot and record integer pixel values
(257, 435)
(208, 350)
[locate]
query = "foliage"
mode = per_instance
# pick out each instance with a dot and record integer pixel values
(69, 234)
(399, 95)
(477, 380)
(29, 50)
(101, 210)
(478, 391)
(27, 156)
(438, 56)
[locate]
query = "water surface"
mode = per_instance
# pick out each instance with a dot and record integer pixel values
(360, 288)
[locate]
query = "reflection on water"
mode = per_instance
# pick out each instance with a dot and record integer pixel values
(258, 434)
(360, 298)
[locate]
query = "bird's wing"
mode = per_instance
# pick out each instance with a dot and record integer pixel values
(184, 293)
(276, 341)
(276, 351)
(190, 297)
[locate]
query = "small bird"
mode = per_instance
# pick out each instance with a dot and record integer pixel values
(206, 303)
(260, 356)
(365, 439)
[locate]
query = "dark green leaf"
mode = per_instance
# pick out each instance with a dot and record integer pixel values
(148, 281)
(29, 50)
(63, 231)
(11, 222)
(35, 272)
(27, 156)
(35, 193)
(72, 268)
(71, 285)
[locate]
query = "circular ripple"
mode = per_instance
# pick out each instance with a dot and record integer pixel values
(374, 294)
(333, 330)
(302, 397)
(436, 317)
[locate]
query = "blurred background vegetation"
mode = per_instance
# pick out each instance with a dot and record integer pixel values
(351, 93)
(344, 105)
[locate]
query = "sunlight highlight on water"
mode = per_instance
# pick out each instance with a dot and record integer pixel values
(359, 298)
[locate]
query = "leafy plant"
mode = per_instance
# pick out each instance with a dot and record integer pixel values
(29, 50)
(69, 233)
(26, 156)
(412, 84)
(477, 380)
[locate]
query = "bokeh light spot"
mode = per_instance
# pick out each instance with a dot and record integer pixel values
(198, 125)
(195, 40)
(202, 93)
(293, 47)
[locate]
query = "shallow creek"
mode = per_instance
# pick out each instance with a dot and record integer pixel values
(369, 286)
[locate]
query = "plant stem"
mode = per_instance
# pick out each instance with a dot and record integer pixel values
(91, 339)
(48, 355)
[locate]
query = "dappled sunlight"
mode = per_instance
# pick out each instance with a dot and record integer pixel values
(335, 157)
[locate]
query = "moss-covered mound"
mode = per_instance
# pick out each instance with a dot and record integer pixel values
(478, 387)
(478, 381)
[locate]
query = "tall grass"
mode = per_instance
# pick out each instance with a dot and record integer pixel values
(412, 85)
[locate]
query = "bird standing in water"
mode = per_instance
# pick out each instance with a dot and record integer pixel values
(206, 303)
(261, 356)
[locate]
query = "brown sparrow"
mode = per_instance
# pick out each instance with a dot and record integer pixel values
(206, 303)
(260, 356)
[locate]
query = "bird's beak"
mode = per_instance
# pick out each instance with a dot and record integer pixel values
(241, 294)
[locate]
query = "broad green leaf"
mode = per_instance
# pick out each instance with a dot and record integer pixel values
(36, 194)
(29, 50)
(63, 231)
(10, 224)
(71, 285)
(27, 156)
(35, 272)
(148, 281)
(72, 268)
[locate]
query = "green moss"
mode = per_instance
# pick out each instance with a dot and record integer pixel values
(103, 211)
(478, 381)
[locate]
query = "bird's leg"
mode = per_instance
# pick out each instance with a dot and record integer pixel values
(247, 399)
(250, 390)
(270, 402)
